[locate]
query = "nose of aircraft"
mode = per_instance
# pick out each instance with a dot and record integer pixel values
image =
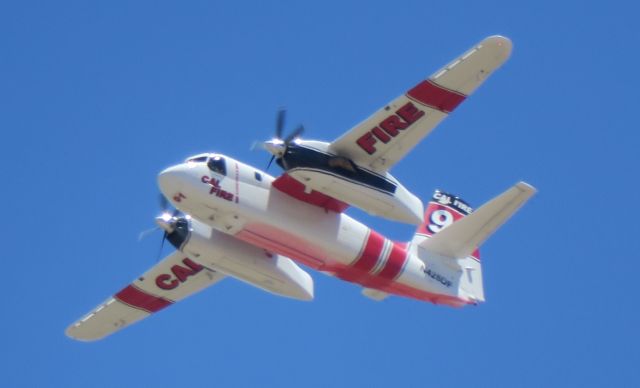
(170, 180)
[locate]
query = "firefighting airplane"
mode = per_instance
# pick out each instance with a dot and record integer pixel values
(234, 220)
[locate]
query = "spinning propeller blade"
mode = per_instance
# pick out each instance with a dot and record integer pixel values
(270, 161)
(147, 232)
(293, 135)
(164, 237)
(280, 122)
(278, 146)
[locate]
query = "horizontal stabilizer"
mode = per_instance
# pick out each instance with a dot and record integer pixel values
(461, 238)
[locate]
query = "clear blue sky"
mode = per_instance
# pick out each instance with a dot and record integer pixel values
(97, 97)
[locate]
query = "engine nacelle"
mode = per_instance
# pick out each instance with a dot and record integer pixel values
(311, 163)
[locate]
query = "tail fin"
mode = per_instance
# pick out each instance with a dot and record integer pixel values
(443, 210)
(452, 233)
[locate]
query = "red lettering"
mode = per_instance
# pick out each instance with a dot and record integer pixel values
(179, 197)
(366, 142)
(215, 183)
(165, 282)
(383, 137)
(193, 265)
(182, 273)
(410, 113)
(392, 124)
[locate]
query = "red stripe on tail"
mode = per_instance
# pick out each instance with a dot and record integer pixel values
(443, 210)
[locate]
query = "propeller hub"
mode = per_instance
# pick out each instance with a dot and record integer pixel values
(276, 147)
(166, 222)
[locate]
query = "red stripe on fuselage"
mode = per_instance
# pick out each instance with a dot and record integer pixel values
(395, 263)
(431, 94)
(139, 299)
(370, 252)
(361, 270)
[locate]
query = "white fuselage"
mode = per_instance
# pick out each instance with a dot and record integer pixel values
(242, 202)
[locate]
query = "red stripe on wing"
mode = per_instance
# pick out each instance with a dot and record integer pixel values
(292, 187)
(139, 299)
(433, 95)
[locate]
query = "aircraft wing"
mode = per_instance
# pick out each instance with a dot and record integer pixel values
(380, 141)
(173, 279)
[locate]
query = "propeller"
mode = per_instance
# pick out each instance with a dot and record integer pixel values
(166, 221)
(278, 146)
(281, 115)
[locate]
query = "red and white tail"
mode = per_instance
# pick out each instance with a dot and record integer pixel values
(452, 231)
(443, 210)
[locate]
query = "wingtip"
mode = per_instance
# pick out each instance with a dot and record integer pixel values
(75, 332)
(501, 44)
(71, 332)
(526, 187)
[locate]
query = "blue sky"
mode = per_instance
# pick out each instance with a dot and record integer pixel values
(97, 98)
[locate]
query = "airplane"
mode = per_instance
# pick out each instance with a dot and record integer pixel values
(234, 220)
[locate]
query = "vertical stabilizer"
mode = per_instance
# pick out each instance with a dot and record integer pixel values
(443, 210)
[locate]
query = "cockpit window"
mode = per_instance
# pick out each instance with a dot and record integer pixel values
(200, 158)
(217, 165)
